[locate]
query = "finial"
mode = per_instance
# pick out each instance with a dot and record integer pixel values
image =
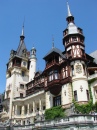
(68, 8)
(22, 31)
(23, 27)
(52, 41)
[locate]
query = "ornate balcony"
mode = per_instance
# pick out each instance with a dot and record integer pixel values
(66, 80)
(53, 82)
(53, 63)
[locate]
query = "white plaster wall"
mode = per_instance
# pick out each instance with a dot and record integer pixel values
(81, 94)
(49, 100)
(9, 82)
(32, 69)
(66, 94)
(19, 80)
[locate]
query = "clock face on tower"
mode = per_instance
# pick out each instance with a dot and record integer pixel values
(78, 69)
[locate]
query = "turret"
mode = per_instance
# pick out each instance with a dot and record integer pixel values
(32, 67)
(73, 41)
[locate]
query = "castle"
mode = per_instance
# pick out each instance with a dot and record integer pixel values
(65, 77)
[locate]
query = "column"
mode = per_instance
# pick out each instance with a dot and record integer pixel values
(34, 106)
(40, 106)
(13, 112)
(23, 108)
(15, 109)
(28, 109)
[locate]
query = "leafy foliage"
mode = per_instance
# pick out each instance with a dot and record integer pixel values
(86, 108)
(94, 107)
(54, 112)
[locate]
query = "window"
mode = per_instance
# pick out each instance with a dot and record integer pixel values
(53, 75)
(75, 96)
(21, 95)
(21, 86)
(9, 74)
(24, 63)
(43, 107)
(72, 70)
(87, 92)
(74, 39)
(84, 69)
(23, 73)
(67, 41)
(37, 109)
(56, 74)
(18, 62)
(65, 72)
(57, 101)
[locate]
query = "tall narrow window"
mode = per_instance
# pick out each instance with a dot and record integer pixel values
(84, 69)
(72, 70)
(51, 76)
(65, 72)
(87, 92)
(56, 74)
(23, 73)
(21, 95)
(75, 96)
(57, 101)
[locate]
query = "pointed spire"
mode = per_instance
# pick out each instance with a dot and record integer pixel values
(68, 8)
(70, 18)
(22, 31)
(22, 35)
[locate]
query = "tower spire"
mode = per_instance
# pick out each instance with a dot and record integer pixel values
(22, 34)
(68, 8)
(22, 31)
(70, 17)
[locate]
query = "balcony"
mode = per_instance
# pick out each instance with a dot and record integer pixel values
(66, 80)
(53, 82)
(53, 63)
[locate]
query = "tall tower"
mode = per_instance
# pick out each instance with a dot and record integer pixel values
(17, 74)
(73, 41)
(32, 67)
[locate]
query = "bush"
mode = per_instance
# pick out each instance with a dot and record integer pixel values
(54, 112)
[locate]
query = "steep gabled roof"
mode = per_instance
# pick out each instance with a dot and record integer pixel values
(21, 46)
(56, 50)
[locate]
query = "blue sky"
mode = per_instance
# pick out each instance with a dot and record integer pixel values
(43, 18)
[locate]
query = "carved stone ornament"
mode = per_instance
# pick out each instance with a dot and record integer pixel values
(78, 69)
